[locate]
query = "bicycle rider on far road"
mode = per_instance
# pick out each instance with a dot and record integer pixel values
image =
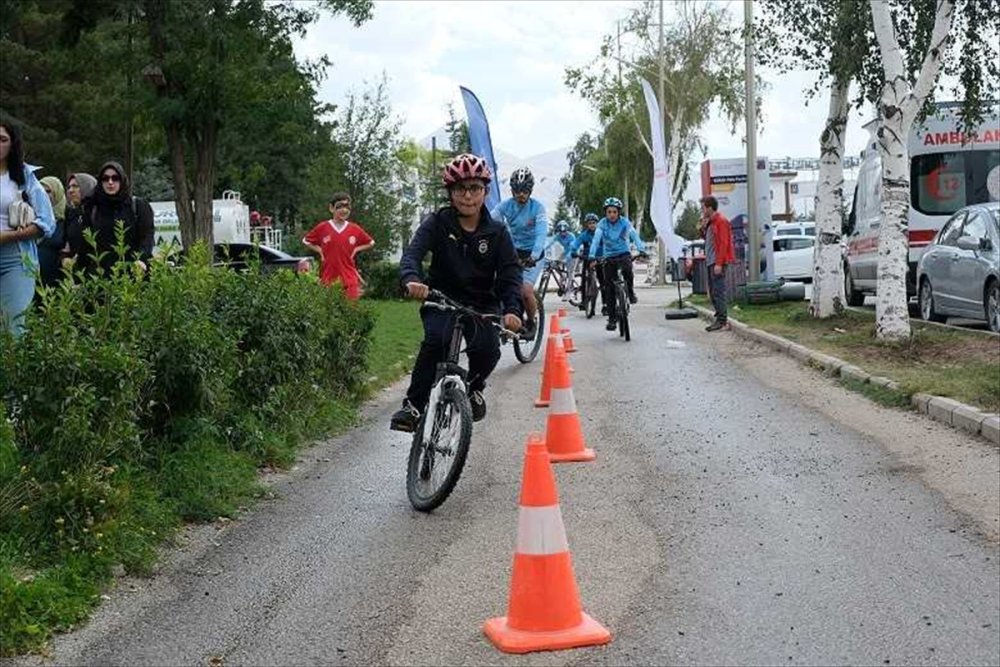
(473, 263)
(529, 227)
(565, 238)
(615, 231)
(581, 248)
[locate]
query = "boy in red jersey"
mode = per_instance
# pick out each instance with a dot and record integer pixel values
(337, 241)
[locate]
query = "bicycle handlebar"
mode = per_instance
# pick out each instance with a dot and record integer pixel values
(441, 301)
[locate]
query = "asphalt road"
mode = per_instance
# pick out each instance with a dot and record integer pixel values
(741, 511)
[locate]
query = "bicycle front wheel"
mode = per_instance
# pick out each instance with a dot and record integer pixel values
(591, 296)
(623, 305)
(527, 350)
(434, 467)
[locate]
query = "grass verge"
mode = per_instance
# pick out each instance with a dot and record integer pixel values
(961, 365)
(63, 542)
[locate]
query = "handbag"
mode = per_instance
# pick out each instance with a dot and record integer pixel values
(20, 214)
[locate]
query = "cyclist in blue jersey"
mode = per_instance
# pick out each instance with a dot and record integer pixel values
(581, 248)
(613, 235)
(565, 238)
(529, 225)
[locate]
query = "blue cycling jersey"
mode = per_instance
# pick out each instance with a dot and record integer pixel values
(528, 224)
(565, 239)
(584, 241)
(613, 238)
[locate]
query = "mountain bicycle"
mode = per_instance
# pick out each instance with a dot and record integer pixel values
(622, 303)
(587, 289)
(441, 440)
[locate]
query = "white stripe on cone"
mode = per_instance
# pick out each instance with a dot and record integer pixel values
(540, 531)
(563, 402)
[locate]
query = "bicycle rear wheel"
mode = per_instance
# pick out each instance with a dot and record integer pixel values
(527, 350)
(433, 469)
(623, 306)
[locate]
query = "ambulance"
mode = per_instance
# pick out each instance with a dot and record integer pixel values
(949, 169)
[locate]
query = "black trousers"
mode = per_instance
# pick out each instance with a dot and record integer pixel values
(612, 265)
(718, 293)
(482, 347)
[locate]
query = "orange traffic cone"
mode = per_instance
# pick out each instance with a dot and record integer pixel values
(553, 341)
(567, 338)
(543, 611)
(563, 432)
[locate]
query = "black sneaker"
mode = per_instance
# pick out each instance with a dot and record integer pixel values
(478, 405)
(528, 330)
(718, 325)
(612, 324)
(405, 419)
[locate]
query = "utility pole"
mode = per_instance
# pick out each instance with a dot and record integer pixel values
(751, 106)
(661, 263)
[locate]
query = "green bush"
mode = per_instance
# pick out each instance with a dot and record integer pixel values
(382, 280)
(132, 403)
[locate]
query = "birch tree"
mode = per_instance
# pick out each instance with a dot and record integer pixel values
(900, 103)
(833, 38)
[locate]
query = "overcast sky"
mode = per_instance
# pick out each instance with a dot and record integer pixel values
(513, 55)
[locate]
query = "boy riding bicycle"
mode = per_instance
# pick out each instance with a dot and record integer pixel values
(566, 239)
(581, 248)
(473, 263)
(528, 224)
(613, 234)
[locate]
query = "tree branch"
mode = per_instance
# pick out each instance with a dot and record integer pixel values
(931, 65)
(892, 56)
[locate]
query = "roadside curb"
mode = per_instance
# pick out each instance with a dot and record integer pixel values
(945, 410)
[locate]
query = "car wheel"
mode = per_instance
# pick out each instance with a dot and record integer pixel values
(993, 306)
(854, 297)
(927, 311)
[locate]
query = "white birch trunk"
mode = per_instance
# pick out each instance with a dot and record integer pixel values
(898, 108)
(828, 262)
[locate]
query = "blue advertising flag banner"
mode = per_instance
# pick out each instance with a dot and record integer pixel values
(479, 138)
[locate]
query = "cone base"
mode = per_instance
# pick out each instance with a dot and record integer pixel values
(581, 456)
(509, 640)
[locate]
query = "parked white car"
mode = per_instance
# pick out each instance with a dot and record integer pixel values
(793, 257)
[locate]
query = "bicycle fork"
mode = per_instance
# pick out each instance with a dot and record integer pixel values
(449, 375)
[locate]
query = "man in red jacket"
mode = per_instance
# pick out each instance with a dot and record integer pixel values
(718, 254)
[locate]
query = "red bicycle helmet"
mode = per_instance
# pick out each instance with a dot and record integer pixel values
(466, 166)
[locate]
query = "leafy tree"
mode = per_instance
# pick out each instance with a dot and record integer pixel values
(206, 60)
(370, 135)
(458, 132)
(687, 223)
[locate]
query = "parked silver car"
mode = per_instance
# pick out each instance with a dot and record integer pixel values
(959, 273)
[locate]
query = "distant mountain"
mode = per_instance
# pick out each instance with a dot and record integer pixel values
(548, 168)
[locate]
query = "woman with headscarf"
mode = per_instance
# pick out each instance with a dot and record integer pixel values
(18, 250)
(79, 188)
(50, 248)
(112, 203)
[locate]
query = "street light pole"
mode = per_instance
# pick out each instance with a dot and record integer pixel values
(751, 112)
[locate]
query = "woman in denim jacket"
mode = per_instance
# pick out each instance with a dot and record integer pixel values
(18, 250)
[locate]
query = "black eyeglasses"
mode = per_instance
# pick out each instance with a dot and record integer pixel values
(522, 191)
(470, 189)
(111, 178)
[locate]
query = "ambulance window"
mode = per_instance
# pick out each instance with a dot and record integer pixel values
(938, 182)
